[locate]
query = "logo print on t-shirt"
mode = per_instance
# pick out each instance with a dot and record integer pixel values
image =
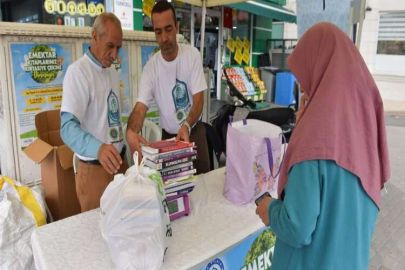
(113, 133)
(114, 121)
(181, 101)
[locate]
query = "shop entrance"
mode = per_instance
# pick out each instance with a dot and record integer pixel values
(212, 43)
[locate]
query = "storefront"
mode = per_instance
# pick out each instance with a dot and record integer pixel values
(249, 22)
(57, 12)
(248, 25)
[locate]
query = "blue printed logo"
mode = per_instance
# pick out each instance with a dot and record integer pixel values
(113, 110)
(181, 100)
(114, 118)
(216, 264)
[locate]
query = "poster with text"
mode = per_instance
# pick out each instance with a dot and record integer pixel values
(146, 53)
(123, 9)
(38, 71)
(256, 252)
(122, 66)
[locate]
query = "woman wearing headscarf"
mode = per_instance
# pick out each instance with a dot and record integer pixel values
(336, 162)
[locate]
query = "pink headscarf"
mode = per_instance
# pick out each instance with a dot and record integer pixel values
(344, 118)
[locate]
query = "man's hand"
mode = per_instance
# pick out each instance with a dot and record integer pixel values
(135, 123)
(183, 134)
(134, 141)
(263, 210)
(109, 158)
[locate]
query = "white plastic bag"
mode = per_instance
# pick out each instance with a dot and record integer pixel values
(21, 210)
(135, 218)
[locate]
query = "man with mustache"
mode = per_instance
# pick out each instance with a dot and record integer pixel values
(91, 113)
(174, 78)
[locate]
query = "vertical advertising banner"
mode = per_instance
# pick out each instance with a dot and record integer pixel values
(147, 6)
(38, 72)
(146, 53)
(121, 64)
(124, 10)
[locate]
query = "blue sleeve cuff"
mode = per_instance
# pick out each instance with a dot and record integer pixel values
(272, 202)
(93, 148)
(80, 141)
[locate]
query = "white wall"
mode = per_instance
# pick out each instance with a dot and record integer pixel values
(290, 29)
(380, 64)
(392, 89)
(388, 71)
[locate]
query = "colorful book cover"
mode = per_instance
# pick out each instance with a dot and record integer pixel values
(159, 166)
(177, 181)
(177, 186)
(175, 171)
(166, 146)
(155, 157)
(180, 188)
(177, 175)
(174, 157)
(181, 165)
(182, 191)
(180, 181)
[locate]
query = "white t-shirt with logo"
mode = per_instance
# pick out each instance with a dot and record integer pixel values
(172, 85)
(92, 94)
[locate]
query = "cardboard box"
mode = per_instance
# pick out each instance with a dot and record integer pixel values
(56, 161)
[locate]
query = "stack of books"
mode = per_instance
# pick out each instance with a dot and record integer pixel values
(174, 161)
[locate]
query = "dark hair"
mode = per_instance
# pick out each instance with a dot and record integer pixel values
(162, 6)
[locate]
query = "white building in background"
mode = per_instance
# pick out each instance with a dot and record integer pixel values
(382, 47)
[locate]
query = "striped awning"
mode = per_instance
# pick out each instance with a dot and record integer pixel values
(263, 8)
(266, 9)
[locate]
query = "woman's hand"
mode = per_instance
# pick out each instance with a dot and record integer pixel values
(263, 210)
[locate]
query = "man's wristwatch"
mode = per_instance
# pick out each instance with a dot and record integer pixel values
(188, 127)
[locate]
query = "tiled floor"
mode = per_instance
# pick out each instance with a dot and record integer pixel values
(388, 246)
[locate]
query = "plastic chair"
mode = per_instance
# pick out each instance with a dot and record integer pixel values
(150, 131)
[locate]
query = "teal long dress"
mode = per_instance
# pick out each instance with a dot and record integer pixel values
(326, 221)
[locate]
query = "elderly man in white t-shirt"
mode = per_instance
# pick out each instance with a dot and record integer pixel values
(174, 78)
(91, 113)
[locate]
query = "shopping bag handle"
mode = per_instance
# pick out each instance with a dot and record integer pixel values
(231, 120)
(27, 199)
(270, 155)
(142, 164)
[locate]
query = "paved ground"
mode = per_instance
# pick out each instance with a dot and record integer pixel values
(388, 246)
(395, 119)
